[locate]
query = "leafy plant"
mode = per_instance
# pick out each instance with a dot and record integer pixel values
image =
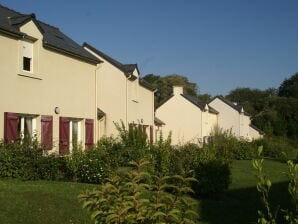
(264, 185)
(129, 197)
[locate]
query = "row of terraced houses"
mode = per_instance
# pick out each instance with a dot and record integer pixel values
(66, 93)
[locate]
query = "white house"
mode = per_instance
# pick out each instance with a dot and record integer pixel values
(121, 96)
(186, 118)
(233, 117)
(45, 84)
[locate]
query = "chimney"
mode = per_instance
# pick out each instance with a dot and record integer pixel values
(177, 90)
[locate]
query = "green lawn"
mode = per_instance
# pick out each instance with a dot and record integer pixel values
(241, 202)
(45, 202)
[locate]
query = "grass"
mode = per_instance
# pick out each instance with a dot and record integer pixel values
(38, 202)
(45, 202)
(241, 202)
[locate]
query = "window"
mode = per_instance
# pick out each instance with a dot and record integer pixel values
(27, 53)
(26, 126)
(26, 64)
(75, 133)
(70, 134)
(19, 126)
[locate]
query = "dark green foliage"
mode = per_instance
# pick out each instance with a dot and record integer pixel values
(90, 168)
(26, 160)
(277, 148)
(227, 147)
(275, 114)
(214, 177)
(165, 84)
(183, 159)
(289, 87)
(161, 152)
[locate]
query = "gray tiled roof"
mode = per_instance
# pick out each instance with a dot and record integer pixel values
(158, 122)
(257, 129)
(53, 38)
(146, 85)
(231, 104)
(128, 69)
(199, 104)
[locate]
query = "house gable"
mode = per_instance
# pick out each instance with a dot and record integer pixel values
(21, 25)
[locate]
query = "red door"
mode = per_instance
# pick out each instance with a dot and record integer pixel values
(63, 135)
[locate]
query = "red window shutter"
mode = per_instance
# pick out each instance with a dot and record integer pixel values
(63, 135)
(89, 133)
(10, 127)
(47, 131)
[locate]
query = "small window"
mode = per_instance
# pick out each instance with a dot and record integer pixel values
(26, 64)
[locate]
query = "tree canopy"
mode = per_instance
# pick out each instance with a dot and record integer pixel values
(274, 111)
(164, 85)
(289, 87)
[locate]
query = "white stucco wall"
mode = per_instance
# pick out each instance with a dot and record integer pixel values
(228, 118)
(231, 119)
(182, 119)
(57, 81)
(121, 99)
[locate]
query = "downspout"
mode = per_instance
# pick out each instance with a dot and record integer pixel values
(126, 106)
(153, 115)
(96, 131)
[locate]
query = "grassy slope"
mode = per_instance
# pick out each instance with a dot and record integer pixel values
(241, 202)
(44, 202)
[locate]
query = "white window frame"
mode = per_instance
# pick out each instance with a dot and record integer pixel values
(79, 140)
(33, 125)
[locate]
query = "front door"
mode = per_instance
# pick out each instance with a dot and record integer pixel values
(63, 135)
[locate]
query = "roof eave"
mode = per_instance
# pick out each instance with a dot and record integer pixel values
(11, 33)
(52, 47)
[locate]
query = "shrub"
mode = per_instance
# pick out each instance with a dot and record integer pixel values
(214, 177)
(183, 159)
(130, 199)
(26, 159)
(90, 169)
(277, 148)
(160, 154)
(228, 147)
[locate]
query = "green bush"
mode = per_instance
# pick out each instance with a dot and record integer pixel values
(277, 148)
(160, 155)
(183, 159)
(129, 198)
(90, 168)
(228, 147)
(26, 160)
(213, 174)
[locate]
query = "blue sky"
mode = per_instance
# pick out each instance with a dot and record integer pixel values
(218, 44)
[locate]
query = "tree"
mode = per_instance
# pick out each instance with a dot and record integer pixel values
(289, 87)
(165, 84)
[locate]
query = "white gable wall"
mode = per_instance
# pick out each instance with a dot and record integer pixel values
(182, 118)
(111, 97)
(228, 118)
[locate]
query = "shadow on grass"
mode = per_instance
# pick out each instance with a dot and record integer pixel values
(240, 206)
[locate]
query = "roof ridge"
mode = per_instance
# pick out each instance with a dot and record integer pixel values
(11, 10)
(48, 24)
